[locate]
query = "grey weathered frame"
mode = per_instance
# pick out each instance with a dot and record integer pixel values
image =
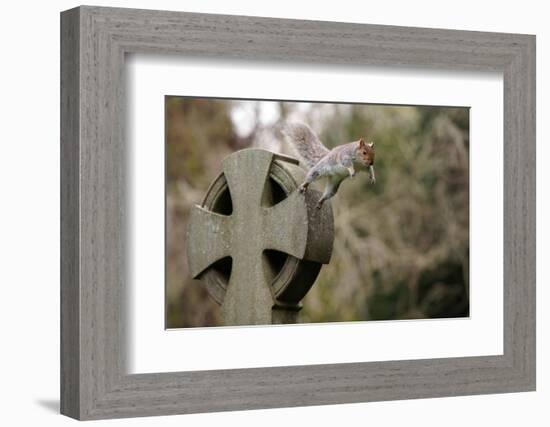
(94, 42)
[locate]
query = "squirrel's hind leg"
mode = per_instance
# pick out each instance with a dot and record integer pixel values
(330, 190)
(312, 175)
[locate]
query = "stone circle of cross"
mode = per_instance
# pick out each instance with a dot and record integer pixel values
(288, 227)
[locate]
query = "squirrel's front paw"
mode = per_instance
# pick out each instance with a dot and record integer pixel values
(372, 180)
(302, 188)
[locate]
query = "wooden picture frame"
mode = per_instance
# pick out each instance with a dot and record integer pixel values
(94, 382)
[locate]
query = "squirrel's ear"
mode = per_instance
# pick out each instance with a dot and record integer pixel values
(371, 144)
(362, 143)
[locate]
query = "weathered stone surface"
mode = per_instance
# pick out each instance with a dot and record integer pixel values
(259, 224)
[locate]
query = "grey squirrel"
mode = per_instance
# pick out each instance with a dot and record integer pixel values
(336, 164)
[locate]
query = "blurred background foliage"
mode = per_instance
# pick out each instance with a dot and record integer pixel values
(401, 249)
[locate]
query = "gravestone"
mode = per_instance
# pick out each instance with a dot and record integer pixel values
(257, 243)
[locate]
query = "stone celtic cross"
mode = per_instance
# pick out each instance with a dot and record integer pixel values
(269, 239)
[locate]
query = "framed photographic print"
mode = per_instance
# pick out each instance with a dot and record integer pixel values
(262, 213)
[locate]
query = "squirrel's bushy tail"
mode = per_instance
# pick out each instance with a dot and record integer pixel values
(305, 142)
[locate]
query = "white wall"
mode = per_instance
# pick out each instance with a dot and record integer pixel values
(29, 226)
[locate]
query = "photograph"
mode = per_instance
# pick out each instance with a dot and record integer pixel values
(326, 214)
(392, 180)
